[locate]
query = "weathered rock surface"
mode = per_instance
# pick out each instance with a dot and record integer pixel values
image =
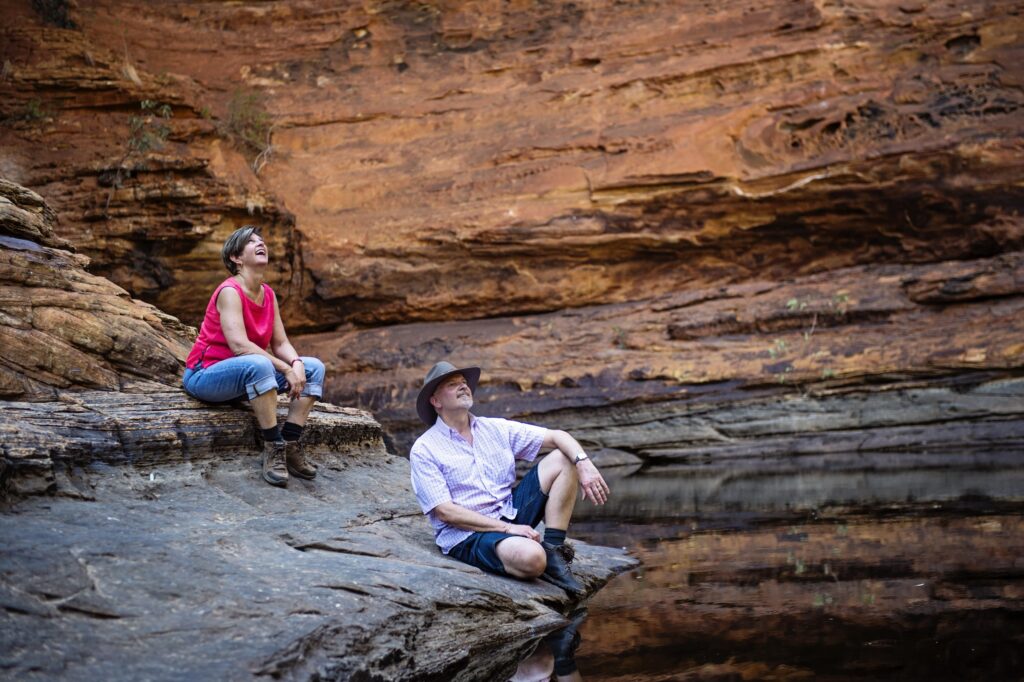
(175, 561)
(140, 542)
(739, 368)
(732, 204)
(471, 159)
(62, 327)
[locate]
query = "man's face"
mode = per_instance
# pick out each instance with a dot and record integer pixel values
(452, 393)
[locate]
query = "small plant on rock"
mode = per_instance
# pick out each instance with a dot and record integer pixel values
(147, 131)
(249, 125)
(836, 307)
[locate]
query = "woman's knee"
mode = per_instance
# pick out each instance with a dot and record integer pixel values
(259, 376)
(315, 370)
(258, 367)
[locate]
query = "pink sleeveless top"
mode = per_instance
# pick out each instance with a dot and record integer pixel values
(211, 347)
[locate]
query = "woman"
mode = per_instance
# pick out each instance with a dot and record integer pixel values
(243, 352)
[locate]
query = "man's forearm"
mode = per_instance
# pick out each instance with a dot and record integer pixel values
(467, 519)
(566, 444)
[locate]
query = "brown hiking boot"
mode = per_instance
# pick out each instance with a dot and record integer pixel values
(274, 470)
(297, 464)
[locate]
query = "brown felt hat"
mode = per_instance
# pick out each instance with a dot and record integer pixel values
(435, 376)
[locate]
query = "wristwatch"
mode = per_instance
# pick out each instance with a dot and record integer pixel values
(580, 457)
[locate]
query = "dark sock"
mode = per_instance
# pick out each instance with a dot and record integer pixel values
(566, 666)
(271, 435)
(554, 537)
(291, 431)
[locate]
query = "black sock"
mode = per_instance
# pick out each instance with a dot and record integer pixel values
(271, 435)
(554, 537)
(565, 666)
(291, 431)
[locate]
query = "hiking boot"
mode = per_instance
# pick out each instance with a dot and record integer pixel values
(564, 643)
(557, 572)
(297, 464)
(274, 470)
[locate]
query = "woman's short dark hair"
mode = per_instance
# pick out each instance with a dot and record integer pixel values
(235, 245)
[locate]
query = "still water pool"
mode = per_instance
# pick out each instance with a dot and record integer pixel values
(830, 576)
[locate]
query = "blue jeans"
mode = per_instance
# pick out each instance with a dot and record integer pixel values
(246, 376)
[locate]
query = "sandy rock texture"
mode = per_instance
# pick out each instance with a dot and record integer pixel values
(62, 327)
(456, 160)
(600, 203)
(140, 542)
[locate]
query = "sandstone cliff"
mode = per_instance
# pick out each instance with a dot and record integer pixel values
(734, 202)
(470, 159)
(139, 541)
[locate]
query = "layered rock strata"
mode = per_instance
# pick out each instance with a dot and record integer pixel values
(473, 159)
(140, 542)
(63, 327)
(850, 360)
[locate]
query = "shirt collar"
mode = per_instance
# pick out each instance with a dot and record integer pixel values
(441, 426)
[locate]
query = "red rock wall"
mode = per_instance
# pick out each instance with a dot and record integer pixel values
(465, 160)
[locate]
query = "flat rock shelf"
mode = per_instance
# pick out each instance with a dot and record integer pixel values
(185, 565)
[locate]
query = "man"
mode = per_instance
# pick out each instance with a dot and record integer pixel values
(463, 469)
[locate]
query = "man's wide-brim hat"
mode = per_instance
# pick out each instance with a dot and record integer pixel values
(435, 376)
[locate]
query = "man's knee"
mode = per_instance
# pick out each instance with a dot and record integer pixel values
(524, 558)
(556, 465)
(534, 560)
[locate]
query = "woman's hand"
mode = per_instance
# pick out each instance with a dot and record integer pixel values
(296, 378)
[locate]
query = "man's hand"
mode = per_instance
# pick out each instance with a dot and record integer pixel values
(592, 483)
(296, 379)
(524, 531)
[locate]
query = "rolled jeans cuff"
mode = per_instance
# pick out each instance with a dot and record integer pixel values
(258, 388)
(313, 391)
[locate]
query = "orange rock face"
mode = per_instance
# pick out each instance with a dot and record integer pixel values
(674, 172)
(63, 327)
(456, 160)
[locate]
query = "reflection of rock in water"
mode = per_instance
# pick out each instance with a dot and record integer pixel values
(671, 492)
(909, 597)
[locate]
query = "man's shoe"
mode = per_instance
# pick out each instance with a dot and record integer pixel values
(557, 573)
(275, 472)
(296, 459)
(564, 643)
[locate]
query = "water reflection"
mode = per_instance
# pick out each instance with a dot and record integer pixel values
(555, 655)
(836, 575)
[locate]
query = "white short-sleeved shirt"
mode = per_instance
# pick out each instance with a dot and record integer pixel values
(445, 468)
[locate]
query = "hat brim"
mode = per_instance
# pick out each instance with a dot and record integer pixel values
(426, 411)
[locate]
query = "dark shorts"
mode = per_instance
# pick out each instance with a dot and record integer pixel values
(481, 549)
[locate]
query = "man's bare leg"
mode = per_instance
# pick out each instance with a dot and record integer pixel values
(522, 557)
(558, 479)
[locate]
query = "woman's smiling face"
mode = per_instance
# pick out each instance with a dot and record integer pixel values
(254, 253)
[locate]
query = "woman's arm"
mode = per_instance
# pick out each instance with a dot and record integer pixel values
(282, 348)
(229, 305)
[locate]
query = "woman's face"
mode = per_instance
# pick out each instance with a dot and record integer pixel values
(254, 253)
